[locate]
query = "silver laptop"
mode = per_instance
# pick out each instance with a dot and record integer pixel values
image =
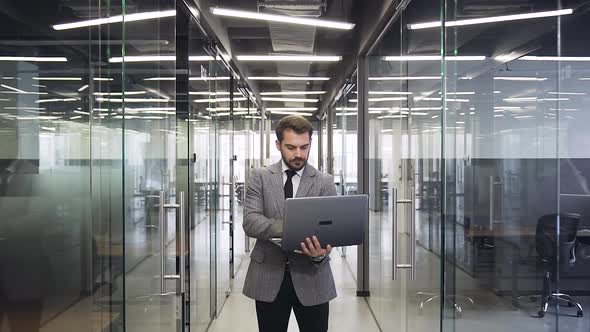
(335, 220)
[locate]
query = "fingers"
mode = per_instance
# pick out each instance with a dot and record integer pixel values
(305, 250)
(328, 249)
(317, 244)
(312, 248)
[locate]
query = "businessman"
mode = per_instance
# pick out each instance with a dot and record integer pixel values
(281, 281)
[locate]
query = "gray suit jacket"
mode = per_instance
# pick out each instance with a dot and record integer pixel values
(263, 219)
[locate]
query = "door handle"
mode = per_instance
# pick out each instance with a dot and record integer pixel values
(395, 237)
(163, 239)
(493, 183)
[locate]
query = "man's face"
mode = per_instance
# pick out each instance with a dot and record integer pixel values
(294, 149)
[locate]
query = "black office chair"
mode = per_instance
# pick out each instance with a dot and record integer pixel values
(547, 245)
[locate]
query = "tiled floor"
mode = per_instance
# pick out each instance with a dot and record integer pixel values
(347, 312)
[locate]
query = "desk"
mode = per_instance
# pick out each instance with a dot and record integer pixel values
(513, 238)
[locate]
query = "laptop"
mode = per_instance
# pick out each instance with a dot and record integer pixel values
(335, 220)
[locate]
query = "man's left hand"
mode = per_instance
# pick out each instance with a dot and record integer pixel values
(312, 248)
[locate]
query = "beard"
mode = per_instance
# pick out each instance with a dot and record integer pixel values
(295, 164)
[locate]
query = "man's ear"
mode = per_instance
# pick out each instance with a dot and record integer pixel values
(278, 144)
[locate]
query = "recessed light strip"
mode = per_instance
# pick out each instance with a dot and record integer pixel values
(292, 93)
(291, 113)
(295, 100)
(404, 78)
(116, 19)
(33, 59)
(157, 58)
(288, 78)
(57, 78)
(287, 109)
(435, 58)
(555, 58)
(292, 58)
(492, 19)
(516, 78)
(12, 88)
(281, 18)
(132, 100)
(126, 93)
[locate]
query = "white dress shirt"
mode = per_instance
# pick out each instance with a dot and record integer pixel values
(296, 178)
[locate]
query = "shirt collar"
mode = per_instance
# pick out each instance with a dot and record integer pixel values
(285, 167)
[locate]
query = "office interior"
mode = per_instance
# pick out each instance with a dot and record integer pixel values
(128, 130)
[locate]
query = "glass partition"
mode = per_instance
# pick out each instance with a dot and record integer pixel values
(404, 110)
(201, 130)
(478, 158)
(514, 166)
(61, 235)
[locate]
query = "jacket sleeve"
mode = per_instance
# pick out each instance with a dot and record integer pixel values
(329, 188)
(255, 224)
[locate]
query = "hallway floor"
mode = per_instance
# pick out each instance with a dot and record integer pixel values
(347, 312)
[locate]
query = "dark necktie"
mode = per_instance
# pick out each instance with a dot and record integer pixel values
(289, 184)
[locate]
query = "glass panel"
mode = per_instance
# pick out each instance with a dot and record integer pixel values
(147, 107)
(404, 131)
(573, 178)
(243, 140)
(347, 116)
(224, 153)
(324, 156)
(60, 189)
(506, 247)
(202, 132)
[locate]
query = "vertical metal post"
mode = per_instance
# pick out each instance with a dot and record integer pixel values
(330, 129)
(320, 151)
(182, 234)
(363, 170)
(163, 230)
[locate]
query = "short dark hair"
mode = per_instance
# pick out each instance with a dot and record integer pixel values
(297, 123)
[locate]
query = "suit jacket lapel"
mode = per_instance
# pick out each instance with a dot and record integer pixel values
(306, 181)
(279, 194)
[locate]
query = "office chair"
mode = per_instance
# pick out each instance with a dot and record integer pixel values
(547, 242)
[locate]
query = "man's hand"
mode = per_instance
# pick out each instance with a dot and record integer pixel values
(312, 248)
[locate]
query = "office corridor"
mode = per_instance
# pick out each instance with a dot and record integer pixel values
(347, 312)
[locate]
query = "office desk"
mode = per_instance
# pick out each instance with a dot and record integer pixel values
(514, 238)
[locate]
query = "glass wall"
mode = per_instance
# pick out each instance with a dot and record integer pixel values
(515, 165)
(404, 110)
(479, 157)
(345, 141)
(60, 187)
(99, 145)
(201, 130)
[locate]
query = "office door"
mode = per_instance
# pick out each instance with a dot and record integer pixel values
(404, 172)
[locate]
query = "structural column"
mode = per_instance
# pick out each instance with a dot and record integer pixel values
(362, 285)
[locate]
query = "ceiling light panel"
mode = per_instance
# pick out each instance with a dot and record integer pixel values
(291, 58)
(434, 58)
(404, 78)
(493, 19)
(295, 100)
(292, 93)
(287, 109)
(158, 58)
(288, 78)
(32, 59)
(116, 19)
(281, 18)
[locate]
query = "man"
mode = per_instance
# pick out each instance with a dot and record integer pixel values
(280, 281)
